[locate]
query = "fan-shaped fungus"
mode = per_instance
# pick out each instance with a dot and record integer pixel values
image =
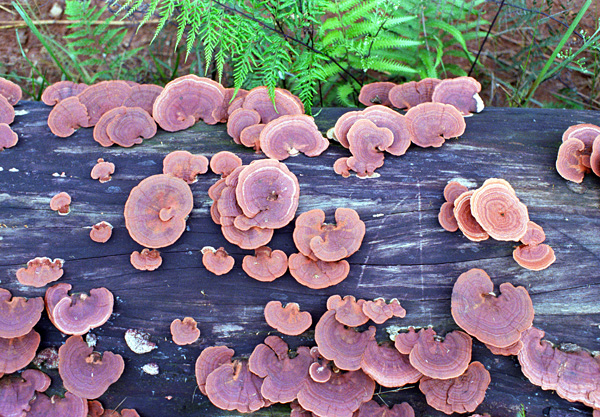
(143, 96)
(441, 359)
(131, 127)
(317, 274)
(17, 352)
(70, 405)
(460, 92)
(100, 129)
(8, 138)
(209, 360)
(379, 311)
(103, 170)
(410, 94)
(405, 341)
(60, 203)
(224, 163)
(289, 320)
(67, 116)
(217, 261)
(348, 310)
(101, 232)
(376, 93)
(430, 124)
(372, 409)
(239, 120)
(367, 144)
(184, 332)
(184, 165)
(387, 366)
(534, 257)
(258, 99)
(266, 265)
(11, 91)
(290, 135)
(7, 112)
(570, 162)
(61, 90)
(101, 97)
(17, 391)
(146, 260)
(465, 220)
(233, 387)
(40, 271)
(586, 133)
(18, 315)
(398, 124)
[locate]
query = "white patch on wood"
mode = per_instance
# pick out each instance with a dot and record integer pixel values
(13, 170)
(151, 368)
(21, 112)
(227, 329)
(139, 341)
(378, 215)
(56, 174)
(465, 181)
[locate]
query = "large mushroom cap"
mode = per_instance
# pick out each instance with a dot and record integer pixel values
(376, 93)
(156, 210)
(266, 265)
(131, 127)
(186, 100)
(290, 135)
(17, 391)
(430, 124)
(70, 405)
(497, 209)
(209, 360)
(146, 260)
(10, 91)
(372, 409)
(497, 321)
(18, 315)
(86, 373)
(224, 163)
(384, 117)
(61, 90)
(100, 134)
(570, 162)
(7, 112)
(387, 366)
(410, 94)
(67, 116)
(462, 394)
(465, 220)
(348, 310)
(534, 257)
(258, 99)
(441, 359)
(184, 332)
(460, 92)
(8, 138)
(289, 320)
(17, 352)
(233, 387)
(102, 97)
(317, 274)
(217, 261)
(185, 165)
(40, 271)
(367, 144)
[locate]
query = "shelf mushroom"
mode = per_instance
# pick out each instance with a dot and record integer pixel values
(290, 135)
(317, 274)
(209, 360)
(348, 310)
(460, 92)
(41, 271)
(412, 93)
(7, 111)
(288, 320)
(224, 163)
(61, 203)
(101, 232)
(184, 332)
(446, 217)
(266, 265)
(185, 165)
(61, 90)
(146, 260)
(379, 311)
(387, 366)
(56, 406)
(8, 138)
(18, 391)
(11, 91)
(217, 261)
(430, 124)
(17, 352)
(18, 315)
(103, 170)
(376, 93)
(372, 409)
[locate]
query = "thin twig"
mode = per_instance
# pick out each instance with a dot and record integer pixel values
(486, 37)
(4, 24)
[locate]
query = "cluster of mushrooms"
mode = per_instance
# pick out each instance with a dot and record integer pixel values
(10, 94)
(579, 152)
(494, 210)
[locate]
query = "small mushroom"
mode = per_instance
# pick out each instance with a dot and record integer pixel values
(217, 261)
(8, 138)
(441, 359)
(460, 92)
(184, 165)
(534, 257)
(379, 311)
(376, 93)
(11, 91)
(465, 220)
(103, 170)
(405, 341)
(250, 136)
(131, 127)
(102, 97)
(317, 274)
(224, 163)
(17, 352)
(290, 135)
(146, 260)
(372, 409)
(446, 217)
(430, 124)
(7, 112)
(40, 271)
(340, 167)
(209, 360)
(67, 116)
(233, 387)
(60, 203)
(61, 90)
(266, 265)
(410, 94)
(18, 315)
(570, 162)
(320, 372)
(367, 144)
(384, 117)
(258, 99)
(348, 310)
(101, 232)
(239, 120)
(184, 332)
(534, 234)
(289, 320)
(453, 190)
(387, 366)
(70, 405)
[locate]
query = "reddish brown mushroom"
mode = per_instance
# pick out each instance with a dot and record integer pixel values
(410, 94)
(494, 320)
(384, 117)
(509, 350)
(40, 271)
(586, 133)
(209, 360)
(186, 100)
(184, 332)
(441, 359)
(103, 170)
(100, 129)
(595, 156)
(78, 313)
(289, 320)
(61, 90)
(534, 257)
(290, 135)
(10, 91)
(146, 260)
(348, 310)
(462, 394)
(7, 112)
(430, 124)
(233, 100)
(387, 366)
(340, 167)
(446, 217)
(367, 144)
(376, 93)
(233, 387)
(453, 190)
(258, 99)
(317, 274)
(143, 96)
(405, 341)
(497, 209)
(18, 315)
(266, 265)
(343, 125)
(102, 97)
(217, 261)
(131, 127)
(465, 220)
(250, 136)
(460, 92)
(570, 162)
(17, 391)
(156, 210)
(17, 352)
(8, 138)
(379, 311)
(252, 238)
(372, 409)
(239, 120)
(101, 232)
(70, 405)
(60, 203)
(224, 163)
(184, 165)
(320, 372)
(86, 373)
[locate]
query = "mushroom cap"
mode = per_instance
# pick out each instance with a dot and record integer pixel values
(343, 125)
(40, 271)
(340, 396)
(398, 124)
(8, 138)
(17, 391)
(460, 92)
(345, 347)
(340, 167)
(405, 341)
(95, 408)
(453, 190)
(387, 366)
(78, 313)
(156, 210)
(217, 261)
(430, 124)
(494, 320)
(103, 170)
(184, 332)
(102, 97)
(348, 310)
(143, 95)
(131, 127)
(497, 209)
(67, 116)
(289, 320)
(534, 257)
(534, 234)
(233, 387)
(266, 265)
(292, 134)
(60, 202)
(239, 120)
(252, 238)
(250, 136)
(185, 100)
(320, 372)
(185, 165)
(372, 409)
(209, 360)
(465, 220)
(367, 144)
(61, 90)
(570, 162)
(101, 232)
(7, 112)
(258, 99)
(232, 102)
(446, 217)
(462, 394)
(86, 373)
(268, 194)
(379, 311)
(146, 260)
(376, 93)
(317, 274)
(410, 94)
(540, 362)
(100, 134)
(10, 91)
(70, 405)
(585, 132)
(17, 352)
(18, 315)
(224, 163)
(441, 359)
(509, 350)
(595, 156)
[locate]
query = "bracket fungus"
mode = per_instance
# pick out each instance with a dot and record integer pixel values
(387, 366)
(259, 99)
(534, 257)
(317, 274)
(290, 135)
(131, 127)
(348, 310)
(452, 191)
(7, 112)
(430, 124)
(441, 359)
(266, 265)
(61, 203)
(372, 409)
(233, 387)
(340, 167)
(143, 95)
(17, 352)
(320, 372)
(405, 341)
(86, 373)
(460, 92)
(101, 232)
(239, 120)
(101, 97)
(146, 260)
(18, 315)
(410, 94)
(61, 90)
(571, 161)
(586, 133)
(156, 210)
(217, 261)
(16, 392)
(185, 165)
(103, 170)
(288, 320)
(376, 93)
(534, 234)
(40, 271)
(209, 360)
(379, 311)
(78, 313)
(387, 118)
(367, 144)
(493, 320)
(70, 405)
(224, 163)
(467, 224)
(11, 91)
(184, 332)
(8, 138)
(100, 133)
(68, 116)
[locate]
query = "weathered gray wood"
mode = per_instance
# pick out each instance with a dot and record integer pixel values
(405, 254)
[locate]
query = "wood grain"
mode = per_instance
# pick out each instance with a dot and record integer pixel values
(405, 254)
